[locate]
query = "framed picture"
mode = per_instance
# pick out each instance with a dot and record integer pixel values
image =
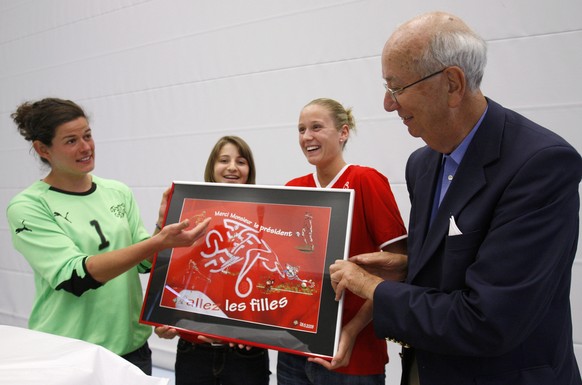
(260, 274)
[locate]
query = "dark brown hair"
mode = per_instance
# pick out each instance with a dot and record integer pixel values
(39, 120)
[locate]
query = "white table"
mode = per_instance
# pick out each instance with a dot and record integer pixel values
(29, 357)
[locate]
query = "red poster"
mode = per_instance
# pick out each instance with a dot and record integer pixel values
(260, 274)
(262, 264)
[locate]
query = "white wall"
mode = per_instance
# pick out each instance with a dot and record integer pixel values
(163, 80)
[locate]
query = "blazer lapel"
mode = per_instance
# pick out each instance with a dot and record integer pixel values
(424, 186)
(425, 193)
(469, 180)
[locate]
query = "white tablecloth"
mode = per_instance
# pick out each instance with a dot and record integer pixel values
(29, 357)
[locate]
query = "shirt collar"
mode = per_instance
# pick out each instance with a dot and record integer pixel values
(459, 152)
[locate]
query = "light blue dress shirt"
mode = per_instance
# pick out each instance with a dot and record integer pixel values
(451, 162)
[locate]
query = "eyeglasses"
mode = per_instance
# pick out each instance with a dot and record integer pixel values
(393, 93)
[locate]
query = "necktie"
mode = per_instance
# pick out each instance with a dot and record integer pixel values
(437, 194)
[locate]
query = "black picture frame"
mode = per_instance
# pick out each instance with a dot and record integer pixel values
(331, 208)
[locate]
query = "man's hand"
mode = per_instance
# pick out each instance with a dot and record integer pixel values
(348, 275)
(386, 265)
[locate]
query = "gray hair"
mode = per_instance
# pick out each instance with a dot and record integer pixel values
(464, 49)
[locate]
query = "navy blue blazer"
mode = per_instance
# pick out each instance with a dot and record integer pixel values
(490, 306)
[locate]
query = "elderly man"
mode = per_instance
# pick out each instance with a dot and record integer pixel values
(493, 226)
